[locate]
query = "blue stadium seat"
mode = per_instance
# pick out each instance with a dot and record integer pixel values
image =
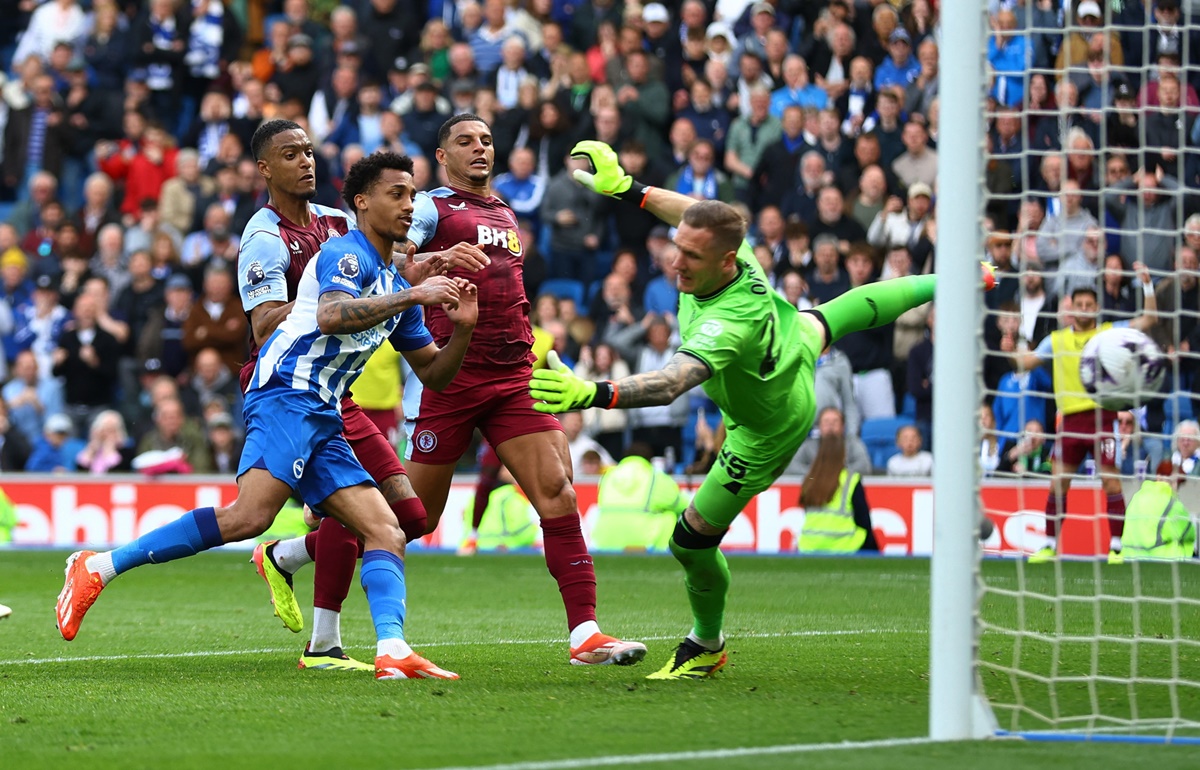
(563, 288)
(880, 437)
(908, 409)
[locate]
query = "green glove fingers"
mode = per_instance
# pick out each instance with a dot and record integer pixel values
(606, 176)
(556, 389)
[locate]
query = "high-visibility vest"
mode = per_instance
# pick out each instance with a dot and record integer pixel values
(637, 507)
(8, 518)
(831, 528)
(509, 521)
(1157, 526)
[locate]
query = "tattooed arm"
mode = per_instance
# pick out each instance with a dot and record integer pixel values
(340, 313)
(682, 373)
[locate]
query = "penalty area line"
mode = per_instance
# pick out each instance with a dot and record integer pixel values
(275, 650)
(692, 756)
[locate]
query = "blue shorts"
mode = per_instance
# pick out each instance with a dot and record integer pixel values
(297, 438)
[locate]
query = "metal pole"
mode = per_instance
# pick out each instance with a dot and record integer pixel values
(955, 365)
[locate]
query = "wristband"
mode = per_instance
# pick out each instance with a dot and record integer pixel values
(635, 194)
(606, 395)
(1147, 290)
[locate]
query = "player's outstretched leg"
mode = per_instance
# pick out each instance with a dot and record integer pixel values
(706, 575)
(260, 496)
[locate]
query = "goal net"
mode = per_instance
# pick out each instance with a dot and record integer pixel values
(1092, 166)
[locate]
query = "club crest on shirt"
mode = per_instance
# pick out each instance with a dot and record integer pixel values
(348, 265)
(255, 273)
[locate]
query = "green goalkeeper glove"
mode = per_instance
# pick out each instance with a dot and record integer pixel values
(556, 388)
(606, 177)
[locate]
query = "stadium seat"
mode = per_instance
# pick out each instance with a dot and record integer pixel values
(563, 288)
(908, 409)
(880, 438)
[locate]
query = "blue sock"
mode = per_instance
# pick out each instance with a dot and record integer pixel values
(191, 533)
(382, 577)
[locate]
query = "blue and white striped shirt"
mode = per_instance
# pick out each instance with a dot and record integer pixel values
(300, 357)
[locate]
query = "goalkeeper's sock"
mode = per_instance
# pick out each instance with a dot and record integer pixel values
(1116, 518)
(712, 645)
(706, 575)
(875, 304)
(191, 533)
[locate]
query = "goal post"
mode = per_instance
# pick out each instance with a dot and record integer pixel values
(956, 710)
(1083, 643)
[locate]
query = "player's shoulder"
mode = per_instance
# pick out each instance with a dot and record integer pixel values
(263, 223)
(328, 212)
(438, 193)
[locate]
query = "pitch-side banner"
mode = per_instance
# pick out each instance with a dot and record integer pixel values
(70, 511)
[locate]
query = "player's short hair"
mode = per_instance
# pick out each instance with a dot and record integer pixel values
(268, 131)
(466, 117)
(1085, 289)
(727, 226)
(366, 171)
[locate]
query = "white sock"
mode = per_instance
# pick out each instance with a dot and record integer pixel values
(1052, 543)
(396, 648)
(1114, 544)
(474, 533)
(582, 632)
(712, 645)
(290, 555)
(327, 630)
(102, 563)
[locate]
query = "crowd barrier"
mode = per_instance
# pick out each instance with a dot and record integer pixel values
(67, 512)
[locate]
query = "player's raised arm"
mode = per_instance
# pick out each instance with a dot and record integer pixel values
(1145, 322)
(608, 178)
(557, 389)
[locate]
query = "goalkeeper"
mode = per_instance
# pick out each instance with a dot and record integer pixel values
(753, 353)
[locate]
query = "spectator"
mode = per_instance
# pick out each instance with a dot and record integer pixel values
(1009, 58)
(86, 358)
(217, 321)
(831, 56)
(658, 426)
(149, 169)
(223, 444)
(868, 197)
(173, 429)
(989, 445)
(141, 295)
(832, 219)
(177, 203)
(520, 187)
(829, 141)
(108, 449)
(923, 90)
(774, 172)
(826, 280)
(57, 447)
(699, 178)
(98, 210)
(14, 449)
(213, 382)
(897, 225)
(1062, 234)
(215, 242)
(1029, 455)
(30, 397)
(1179, 309)
(36, 137)
(837, 517)
(644, 102)
(1137, 454)
(158, 42)
(860, 98)
(162, 336)
(801, 201)
(834, 388)
(579, 442)
(1073, 51)
(1186, 455)
(607, 427)
(38, 325)
(830, 423)
(228, 194)
(298, 77)
(901, 67)
(911, 460)
(1037, 306)
(796, 90)
(575, 227)
(709, 118)
(661, 295)
(917, 164)
(1117, 302)
(27, 214)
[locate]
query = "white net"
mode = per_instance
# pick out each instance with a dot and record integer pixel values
(1093, 168)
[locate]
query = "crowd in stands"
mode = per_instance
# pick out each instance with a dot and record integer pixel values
(126, 180)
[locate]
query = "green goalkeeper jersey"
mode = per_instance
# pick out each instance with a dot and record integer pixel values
(761, 353)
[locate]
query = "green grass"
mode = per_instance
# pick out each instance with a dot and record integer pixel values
(822, 651)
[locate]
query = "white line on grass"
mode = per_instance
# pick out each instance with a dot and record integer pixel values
(273, 650)
(682, 756)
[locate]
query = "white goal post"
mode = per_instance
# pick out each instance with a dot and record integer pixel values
(1085, 645)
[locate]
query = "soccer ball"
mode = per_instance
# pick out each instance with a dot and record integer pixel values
(1121, 366)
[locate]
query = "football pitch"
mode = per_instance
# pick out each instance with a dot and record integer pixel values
(183, 666)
